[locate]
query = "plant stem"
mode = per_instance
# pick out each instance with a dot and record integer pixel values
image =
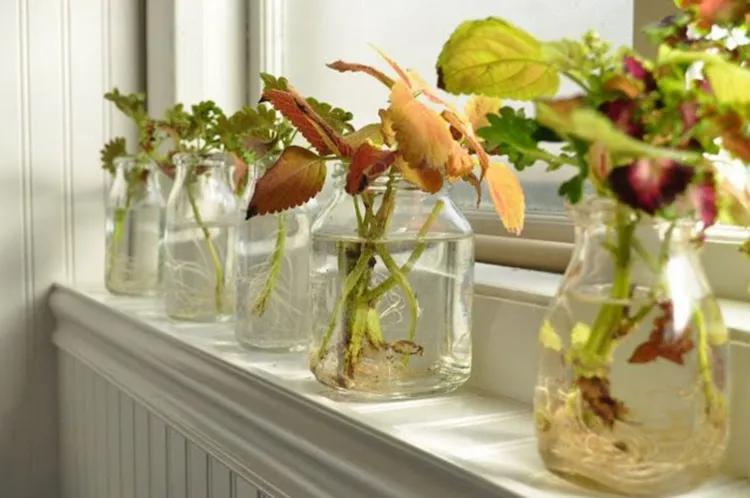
(219, 287)
(388, 284)
(351, 282)
(602, 332)
(121, 215)
(276, 262)
(704, 363)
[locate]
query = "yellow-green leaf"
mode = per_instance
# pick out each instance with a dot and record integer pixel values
(580, 335)
(549, 338)
(493, 57)
(592, 126)
(730, 83)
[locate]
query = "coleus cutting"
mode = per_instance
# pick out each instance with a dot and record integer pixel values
(248, 135)
(425, 146)
(635, 133)
(716, 25)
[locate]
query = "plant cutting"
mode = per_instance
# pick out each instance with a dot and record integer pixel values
(132, 268)
(213, 154)
(378, 327)
(272, 310)
(631, 391)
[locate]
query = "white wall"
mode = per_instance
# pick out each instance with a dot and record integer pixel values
(413, 32)
(57, 59)
(114, 447)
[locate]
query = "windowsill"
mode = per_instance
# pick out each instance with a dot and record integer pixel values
(269, 420)
(537, 287)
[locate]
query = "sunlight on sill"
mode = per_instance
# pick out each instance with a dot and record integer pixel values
(538, 288)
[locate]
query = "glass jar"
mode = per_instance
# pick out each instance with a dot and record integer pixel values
(199, 240)
(391, 284)
(272, 279)
(134, 229)
(632, 392)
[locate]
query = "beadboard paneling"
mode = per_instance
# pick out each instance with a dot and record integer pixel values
(135, 453)
(57, 58)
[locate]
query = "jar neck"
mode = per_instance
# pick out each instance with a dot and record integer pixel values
(194, 167)
(135, 172)
(391, 181)
(608, 233)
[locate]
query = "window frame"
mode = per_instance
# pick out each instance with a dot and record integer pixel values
(548, 239)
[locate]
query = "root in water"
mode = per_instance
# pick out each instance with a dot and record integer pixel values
(126, 276)
(190, 291)
(629, 457)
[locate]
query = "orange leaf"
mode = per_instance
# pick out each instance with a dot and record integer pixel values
(507, 196)
(401, 73)
(367, 164)
(419, 85)
(472, 180)
(645, 353)
(422, 136)
(465, 129)
(477, 109)
(460, 162)
(386, 128)
(343, 67)
(297, 176)
(428, 180)
(623, 85)
(315, 130)
(737, 144)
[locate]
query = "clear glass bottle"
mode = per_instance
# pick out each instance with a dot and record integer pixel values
(632, 390)
(273, 268)
(199, 240)
(134, 229)
(392, 293)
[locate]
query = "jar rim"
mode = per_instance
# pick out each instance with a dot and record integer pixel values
(129, 161)
(596, 209)
(208, 160)
(341, 170)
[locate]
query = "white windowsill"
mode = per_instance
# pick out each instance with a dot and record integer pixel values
(269, 420)
(537, 287)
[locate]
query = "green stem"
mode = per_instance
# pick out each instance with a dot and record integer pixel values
(276, 262)
(610, 314)
(121, 215)
(349, 285)
(219, 287)
(389, 283)
(704, 363)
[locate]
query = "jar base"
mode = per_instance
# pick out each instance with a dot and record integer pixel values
(627, 460)
(401, 384)
(130, 291)
(271, 347)
(199, 319)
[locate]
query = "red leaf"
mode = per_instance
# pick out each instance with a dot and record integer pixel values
(367, 164)
(314, 128)
(297, 176)
(343, 67)
(645, 353)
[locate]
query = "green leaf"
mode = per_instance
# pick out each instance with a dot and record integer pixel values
(337, 119)
(513, 134)
(592, 126)
(271, 82)
(112, 150)
(572, 189)
(495, 58)
(133, 105)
